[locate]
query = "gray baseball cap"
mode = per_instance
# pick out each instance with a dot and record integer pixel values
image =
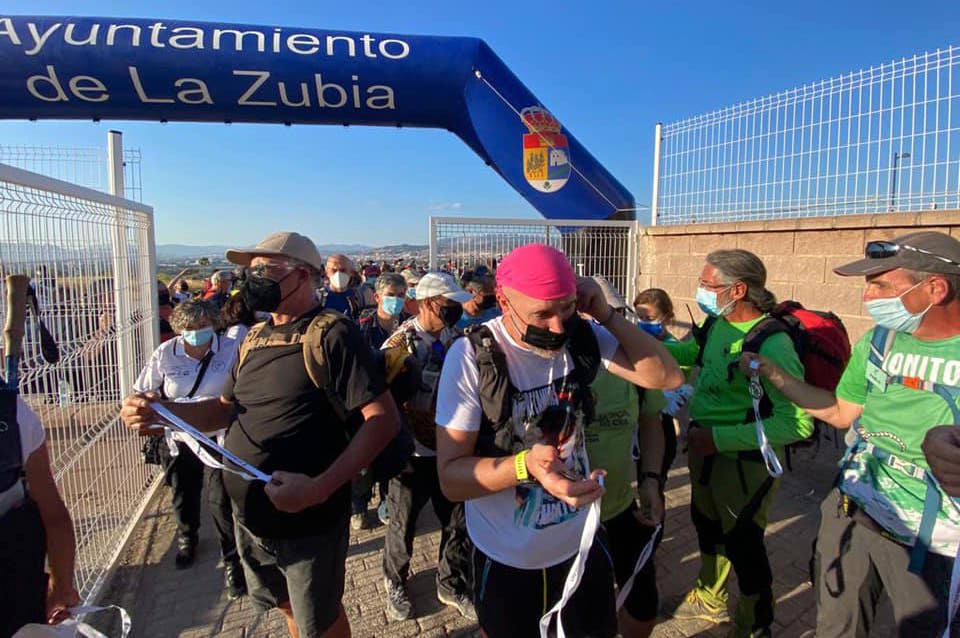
(610, 293)
(925, 251)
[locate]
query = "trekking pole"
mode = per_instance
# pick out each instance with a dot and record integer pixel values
(14, 330)
(770, 459)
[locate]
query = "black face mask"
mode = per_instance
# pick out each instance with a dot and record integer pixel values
(450, 315)
(489, 301)
(261, 294)
(547, 339)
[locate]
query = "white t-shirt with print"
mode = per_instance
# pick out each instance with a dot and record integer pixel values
(31, 430)
(523, 527)
(171, 368)
(424, 345)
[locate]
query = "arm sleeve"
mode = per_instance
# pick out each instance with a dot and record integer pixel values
(355, 377)
(151, 377)
(685, 352)
(458, 402)
(853, 383)
(788, 423)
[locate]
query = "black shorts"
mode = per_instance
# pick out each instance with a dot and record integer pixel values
(511, 601)
(308, 572)
(626, 537)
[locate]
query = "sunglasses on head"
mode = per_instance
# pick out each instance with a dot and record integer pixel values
(885, 249)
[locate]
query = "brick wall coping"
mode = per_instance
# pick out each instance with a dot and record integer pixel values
(883, 220)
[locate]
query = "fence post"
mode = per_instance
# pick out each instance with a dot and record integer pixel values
(655, 196)
(121, 268)
(432, 234)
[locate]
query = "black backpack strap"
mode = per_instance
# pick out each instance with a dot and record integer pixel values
(700, 336)
(752, 342)
(11, 453)
(585, 352)
(584, 349)
(495, 391)
(204, 364)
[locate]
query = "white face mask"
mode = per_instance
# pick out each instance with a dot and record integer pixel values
(892, 314)
(339, 281)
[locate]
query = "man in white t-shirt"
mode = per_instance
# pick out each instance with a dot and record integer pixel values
(36, 533)
(511, 406)
(427, 337)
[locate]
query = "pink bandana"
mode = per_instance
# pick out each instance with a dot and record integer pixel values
(538, 271)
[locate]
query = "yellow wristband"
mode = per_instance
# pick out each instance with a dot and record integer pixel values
(520, 465)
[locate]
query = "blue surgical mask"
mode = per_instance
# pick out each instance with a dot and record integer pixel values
(392, 305)
(893, 315)
(707, 300)
(411, 293)
(199, 337)
(653, 328)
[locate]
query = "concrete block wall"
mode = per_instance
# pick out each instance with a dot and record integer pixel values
(799, 254)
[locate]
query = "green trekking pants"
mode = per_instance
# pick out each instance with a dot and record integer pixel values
(729, 502)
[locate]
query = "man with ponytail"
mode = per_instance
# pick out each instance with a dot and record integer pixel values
(731, 487)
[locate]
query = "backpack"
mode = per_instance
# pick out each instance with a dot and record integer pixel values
(496, 391)
(400, 380)
(820, 340)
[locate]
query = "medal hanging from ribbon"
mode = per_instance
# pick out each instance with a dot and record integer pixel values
(198, 441)
(766, 450)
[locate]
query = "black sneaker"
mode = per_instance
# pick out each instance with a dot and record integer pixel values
(399, 606)
(186, 552)
(462, 602)
(235, 582)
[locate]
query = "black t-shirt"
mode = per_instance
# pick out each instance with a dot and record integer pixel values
(284, 422)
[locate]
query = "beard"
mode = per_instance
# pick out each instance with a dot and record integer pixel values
(549, 355)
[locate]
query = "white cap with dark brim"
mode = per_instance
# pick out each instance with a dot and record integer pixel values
(436, 284)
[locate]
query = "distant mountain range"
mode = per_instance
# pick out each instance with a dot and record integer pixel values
(183, 251)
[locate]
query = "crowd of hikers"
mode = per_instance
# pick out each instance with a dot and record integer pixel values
(539, 413)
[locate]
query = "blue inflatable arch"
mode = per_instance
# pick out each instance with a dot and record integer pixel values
(167, 70)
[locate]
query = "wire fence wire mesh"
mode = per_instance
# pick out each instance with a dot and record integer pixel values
(88, 256)
(83, 166)
(606, 248)
(870, 141)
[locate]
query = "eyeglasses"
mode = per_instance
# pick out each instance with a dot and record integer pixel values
(885, 249)
(263, 271)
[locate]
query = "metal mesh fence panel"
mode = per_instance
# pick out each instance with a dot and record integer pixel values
(870, 141)
(90, 258)
(606, 248)
(83, 166)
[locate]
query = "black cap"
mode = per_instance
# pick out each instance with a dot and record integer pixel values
(936, 244)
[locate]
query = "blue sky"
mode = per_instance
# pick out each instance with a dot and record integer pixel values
(608, 70)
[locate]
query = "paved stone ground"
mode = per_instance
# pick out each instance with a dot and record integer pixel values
(165, 602)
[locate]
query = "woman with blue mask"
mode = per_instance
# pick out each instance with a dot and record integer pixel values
(190, 367)
(654, 313)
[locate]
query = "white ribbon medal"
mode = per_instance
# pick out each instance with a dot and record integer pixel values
(770, 459)
(196, 440)
(576, 569)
